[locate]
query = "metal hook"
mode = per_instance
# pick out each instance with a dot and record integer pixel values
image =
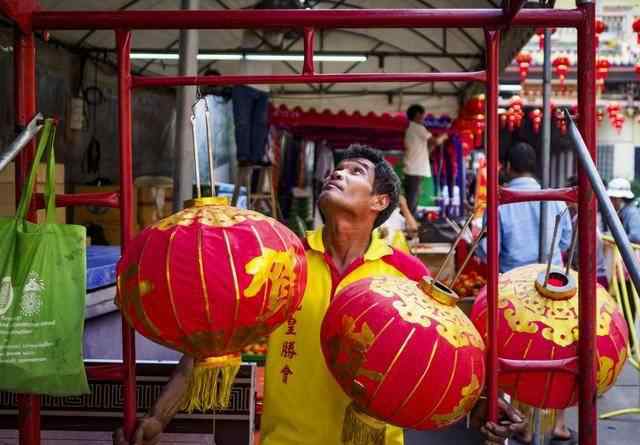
(210, 148)
(553, 243)
(453, 247)
(195, 157)
(474, 246)
(572, 250)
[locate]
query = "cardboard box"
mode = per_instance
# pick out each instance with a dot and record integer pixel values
(8, 187)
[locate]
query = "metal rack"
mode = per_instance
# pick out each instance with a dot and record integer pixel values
(29, 19)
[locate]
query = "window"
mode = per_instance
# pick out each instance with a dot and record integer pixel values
(605, 162)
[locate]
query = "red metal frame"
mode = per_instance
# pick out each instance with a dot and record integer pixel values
(491, 20)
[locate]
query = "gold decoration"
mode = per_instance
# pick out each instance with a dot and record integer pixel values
(212, 216)
(414, 307)
(469, 394)
(527, 311)
(277, 268)
(606, 372)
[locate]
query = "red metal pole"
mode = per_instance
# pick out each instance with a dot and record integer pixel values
(492, 39)
(309, 37)
(123, 43)
(24, 52)
(174, 81)
(299, 19)
(586, 228)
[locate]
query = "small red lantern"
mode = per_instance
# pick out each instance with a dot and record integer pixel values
(561, 65)
(524, 61)
(538, 322)
(600, 115)
(636, 28)
(536, 119)
(404, 352)
(476, 104)
(511, 120)
(208, 281)
(601, 27)
(540, 33)
(637, 69)
(602, 72)
(618, 122)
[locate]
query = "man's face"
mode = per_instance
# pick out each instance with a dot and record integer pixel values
(617, 203)
(419, 118)
(350, 187)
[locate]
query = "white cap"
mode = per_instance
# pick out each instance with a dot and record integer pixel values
(619, 188)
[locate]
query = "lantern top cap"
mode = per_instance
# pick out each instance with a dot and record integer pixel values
(438, 291)
(560, 286)
(207, 201)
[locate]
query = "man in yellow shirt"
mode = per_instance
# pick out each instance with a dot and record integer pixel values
(302, 403)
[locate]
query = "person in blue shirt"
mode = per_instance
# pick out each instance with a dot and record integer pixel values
(619, 191)
(519, 223)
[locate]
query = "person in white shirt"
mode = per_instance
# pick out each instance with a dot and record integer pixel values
(417, 144)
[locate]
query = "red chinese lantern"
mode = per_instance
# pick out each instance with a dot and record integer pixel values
(600, 115)
(636, 28)
(536, 119)
(208, 281)
(404, 352)
(476, 104)
(602, 71)
(618, 122)
(540, 33)
(561, 66)
(601, 27)
(541, 323)
(524, 61)
(637, 69)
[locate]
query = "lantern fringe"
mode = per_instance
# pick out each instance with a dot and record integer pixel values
(360, 429)
(210, 384)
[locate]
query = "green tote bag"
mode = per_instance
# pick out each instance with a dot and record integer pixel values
(42, 294)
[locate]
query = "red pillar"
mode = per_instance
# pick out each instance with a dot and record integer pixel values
(586, 229)
(123, 43)
(492, 39)
(24, 62)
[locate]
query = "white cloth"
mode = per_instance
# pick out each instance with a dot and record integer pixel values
(416, 155)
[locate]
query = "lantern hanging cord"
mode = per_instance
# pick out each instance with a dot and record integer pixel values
(195, 157)
(572, 250)
(453, 247)
(553, 243)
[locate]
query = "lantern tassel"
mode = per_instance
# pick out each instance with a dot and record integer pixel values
(361, 429)
(211, 382)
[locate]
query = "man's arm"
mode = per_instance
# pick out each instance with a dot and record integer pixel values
(150, 427)
(410, 221)
(434, 141)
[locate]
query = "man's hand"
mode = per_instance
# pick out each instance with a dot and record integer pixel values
(148, 432)
(511, 423)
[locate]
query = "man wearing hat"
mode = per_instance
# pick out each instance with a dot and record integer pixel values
(619, 190)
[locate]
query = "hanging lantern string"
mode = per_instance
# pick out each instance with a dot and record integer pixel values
(475, 245)
(195, 156)
(210, 149)
(453, 247)
(572, 250)
(553, 243)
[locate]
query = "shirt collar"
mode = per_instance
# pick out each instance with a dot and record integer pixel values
(377, 249)
(525, 182)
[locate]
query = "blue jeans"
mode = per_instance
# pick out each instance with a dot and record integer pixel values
(250, 113)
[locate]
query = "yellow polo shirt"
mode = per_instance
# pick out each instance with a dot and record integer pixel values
(303, 404)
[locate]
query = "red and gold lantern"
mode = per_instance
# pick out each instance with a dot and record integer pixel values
(404, 353)
(537, 322)
(208, 281)
(524, 62)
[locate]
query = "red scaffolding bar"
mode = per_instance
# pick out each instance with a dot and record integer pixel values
(491, 20)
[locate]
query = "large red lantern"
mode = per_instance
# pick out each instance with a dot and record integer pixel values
(211, 279)
(524, 62)
(403, 352)
(541, 323)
